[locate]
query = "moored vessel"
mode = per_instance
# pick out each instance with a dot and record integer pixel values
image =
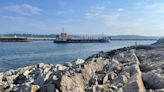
(65, 38)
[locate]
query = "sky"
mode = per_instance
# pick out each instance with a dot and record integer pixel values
(110, 17)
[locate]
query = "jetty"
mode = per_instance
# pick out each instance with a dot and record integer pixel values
(128, 69)
(13, 39)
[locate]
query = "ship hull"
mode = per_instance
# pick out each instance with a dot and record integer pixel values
(82, 41)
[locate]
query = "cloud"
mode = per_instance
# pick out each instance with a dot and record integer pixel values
(158, 8)
(21, 24)
(94, 12)
(23, 9)
(120, 9)
(116, 25)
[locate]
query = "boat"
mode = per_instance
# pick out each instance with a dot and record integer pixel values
(65, 38)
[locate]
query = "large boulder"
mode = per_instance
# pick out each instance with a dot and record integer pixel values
(48, 88)
(153, 80)
(72, 84)
(78, 61)
(135, 83)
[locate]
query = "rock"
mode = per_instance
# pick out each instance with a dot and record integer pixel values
(47, 76)
(123, 79)
(92, 81)
(26, 72)
(10, 73)
(132, 70)
(89, 69)
(68, 64)
(46, 70)
(159, 42)
(127, 57)
(41, 65)
(20, 79)
(60, 67)
(48, 88)
(153, 80)
(35, 88)
(111, 66)
(113, 87)
(149, 66)
(105, 79)
(72, 84)
(22, 88)
(115, 71)
(158, 90)
(38, 77)
(135, 83)
(100, 78)
(22, 70)
(112, 75)
(119, 90)
(101, 88)
(79, 61)
(119, 85)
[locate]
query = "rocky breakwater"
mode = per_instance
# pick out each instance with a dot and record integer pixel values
(131, 69)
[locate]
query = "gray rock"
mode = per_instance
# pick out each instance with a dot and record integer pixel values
(68, 64)
(158, 90)
(153, 80)
(41, 65)
(135, 83)
(22, 88)
(78, 61)
(113, 87)
(47, 88)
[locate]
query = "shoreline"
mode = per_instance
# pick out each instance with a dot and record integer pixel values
(119, 70)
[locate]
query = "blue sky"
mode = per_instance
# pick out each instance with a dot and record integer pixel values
(111, 17)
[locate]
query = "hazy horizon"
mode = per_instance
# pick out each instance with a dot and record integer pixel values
(111, 17)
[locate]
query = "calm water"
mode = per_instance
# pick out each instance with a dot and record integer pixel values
(14, 55)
